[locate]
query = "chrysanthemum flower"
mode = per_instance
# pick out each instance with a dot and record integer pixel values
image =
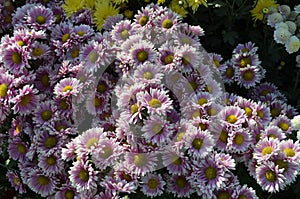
(83, 32)
(26, 100)
(44, 114)
(103, 9)
(239, 140)
(179, 186)
(40, 17)
(111, 21)
(122, 31)
(167, 22)
(274, 18)
(47, 143)
(273, 131)
(41, 183)
(17, 149)
(249, 76)
(176, 163)
(152, 185)
(51, 164)
(270, 177)
(187, 58)
(142, 52)
(71, 6)
(65, 191)
(194, 4)
(82, 176)
(16, 182)
(244, 192)
(293, 44)
(245, 48)
(284, 123)
(261, 8)
(140, 163)
(149, 74)
(232, 116)
(68, 87)
(265, 149)
(291, 149)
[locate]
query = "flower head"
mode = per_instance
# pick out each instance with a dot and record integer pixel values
(261, 8)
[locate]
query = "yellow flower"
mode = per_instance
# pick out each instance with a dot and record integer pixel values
(161, 1)
(261, 8)
(118, 2)
(72, 6)
(103, 10)
(194, 4)
(175, 7)
(90, 4)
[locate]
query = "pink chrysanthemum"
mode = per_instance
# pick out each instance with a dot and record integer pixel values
(51, 164)
(41, 183)
(16, 182)
(152, 185)
(232, 116)
(265, 149)
(68, 87)
(176, 163)
(179, 186)
(141, 163)
(290, 149)
(39, 17)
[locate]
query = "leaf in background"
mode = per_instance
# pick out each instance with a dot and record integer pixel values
(230, 37)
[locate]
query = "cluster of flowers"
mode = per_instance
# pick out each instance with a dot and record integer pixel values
(286, 23)
(6, 10)
(160, 119)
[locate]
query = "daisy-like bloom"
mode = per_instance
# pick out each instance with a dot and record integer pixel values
(292, 45)
(156, 101)
(44, 114)
(26, 100)
(274, 18)
(245, 48)
(140, 163)
(106, 153)
(291, 149)
(167, 22)
(282, 35)
(41, 183)
(68, 87)
(198, 143)
(240, 140)
(224, 160)
(216, 59)
(83, 32)
(265, 149)
(227, 71)
(187, 58)
(244, 192)
(103, 9)
(48, 143)
(15, 59)
(39, 50)
(39, 17)
(149, 74)
(65, 191)
(152, 185)
(166, 55)
(272, 131)
(175, 162)
(295, 122)
(270, 177)
(143, 20)
(261, 9)
(43, 82)
(263, 114)
(284, 123)
(195, 4)
(221, 135)
(232, 116)
(88, 140)
(122, 31)
(6, 87)
(142, 52)
(157, 130)
(179, 185)
(68, 151)
(249, 76)
(17, 149)
(16, 182)
(82, 176)
(96, 103)
(51, 164)
(111, 21)
(117, 183)
(243, 60)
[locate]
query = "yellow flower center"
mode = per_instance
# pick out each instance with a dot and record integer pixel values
(58, 18)
(25, 100)
(51, 160)
(260, 114)
(202, 126)
(3, 90)
(97, 102)
(168, 59)
(40, 19)
(16, 57)
(18, 128)
(93, 57)
(37, 52)
(223, 136)
(91, 142)
(157, 129)
(8, 19)
(43, 180)
(196, 114)
(248, 75)
(181, 182)
(60, 127)
(284, 126)
(223, 195)
(229, 72)
(186, 59)
(270, 176)
(289, 152)
(84, 175)
(148, 75)
(50, 142)
(45, 80)
(267, 150)
(242, 196)
(272, 136)
(180, 136)
(101, 88)
(63, 105)
(239, 139)
(65, 37)
(16, 181)
(248, 111)
(46, 115)
(143, 20)
(245, 61)
(80, 33)
(275, 112)
(264, 92)
(152, 183)
(217, 63)
(211, 111)
(69, 194)
(124, 34)
(167, 23)
(134, 108)
(202, 101)
(21, 148)
(155, 103)
(107, 151)
(67, 88)
(21, 43)
(140, 160)
(177, 160)
(75, 53)
(142, 56)
(231, 119)
(194, 85)
(282, 164)
(211, 173)
(197, 143)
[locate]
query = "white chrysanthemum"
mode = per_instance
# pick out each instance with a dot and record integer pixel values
(281, 35)
(274, 18)
(291, 26)
(296, 122)
(297, 9)
(293, 44)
